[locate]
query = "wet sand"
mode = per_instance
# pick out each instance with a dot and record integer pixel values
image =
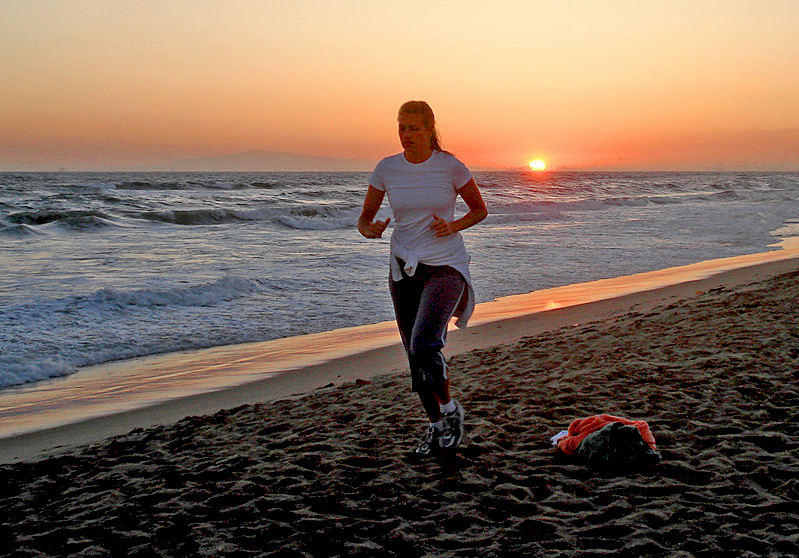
(713, 366)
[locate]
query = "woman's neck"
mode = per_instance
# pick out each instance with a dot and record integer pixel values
(417, 157)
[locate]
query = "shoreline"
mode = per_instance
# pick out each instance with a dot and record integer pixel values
(496, 323)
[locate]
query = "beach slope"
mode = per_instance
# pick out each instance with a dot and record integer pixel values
(328, 474)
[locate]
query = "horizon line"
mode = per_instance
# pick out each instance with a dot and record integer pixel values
(473, 169)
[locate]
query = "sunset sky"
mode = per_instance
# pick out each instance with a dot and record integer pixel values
(605, 84)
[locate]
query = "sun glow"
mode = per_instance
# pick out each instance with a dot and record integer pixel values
(538, 165)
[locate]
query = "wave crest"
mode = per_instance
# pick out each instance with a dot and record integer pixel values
(75, 219)
(321, 218)
(17, 230)
(20, 370)
(208, 294)
(200, 216)
(145, 185)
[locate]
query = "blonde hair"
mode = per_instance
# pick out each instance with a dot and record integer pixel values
(428, 119)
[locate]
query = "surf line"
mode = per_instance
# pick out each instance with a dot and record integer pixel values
(121, 386)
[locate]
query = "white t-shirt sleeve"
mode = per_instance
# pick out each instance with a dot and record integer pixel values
(460, 174)
(377, 179)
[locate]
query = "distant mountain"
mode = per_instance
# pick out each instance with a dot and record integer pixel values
(270, 161)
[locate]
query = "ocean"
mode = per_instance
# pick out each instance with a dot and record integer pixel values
(97, 267)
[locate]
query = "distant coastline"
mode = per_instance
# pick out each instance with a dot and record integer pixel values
(260, 161)
(244, 161)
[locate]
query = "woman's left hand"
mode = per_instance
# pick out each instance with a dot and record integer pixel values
(442, 227)
(477, 212)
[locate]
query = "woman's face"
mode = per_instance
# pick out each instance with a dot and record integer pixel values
(413, 135)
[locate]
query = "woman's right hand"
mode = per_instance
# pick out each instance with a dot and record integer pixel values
(371, 204)
(371, 229)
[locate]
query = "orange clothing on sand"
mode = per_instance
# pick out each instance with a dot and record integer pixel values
(581, 428)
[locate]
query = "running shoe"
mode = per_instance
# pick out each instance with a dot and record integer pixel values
(430, 442)
(452, 433)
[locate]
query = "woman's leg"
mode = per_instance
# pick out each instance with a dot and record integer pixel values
(439, 298)
(406, 295)
(432, 400)
(424, 305)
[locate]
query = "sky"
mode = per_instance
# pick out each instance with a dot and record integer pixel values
(581, 84)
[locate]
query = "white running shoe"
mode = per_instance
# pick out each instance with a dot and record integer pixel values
(429, 444)
(452, 433)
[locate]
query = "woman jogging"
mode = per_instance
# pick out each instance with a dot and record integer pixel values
(429, 272)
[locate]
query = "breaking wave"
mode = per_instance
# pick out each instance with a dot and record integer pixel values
(201, 216)
(73, 219)
(79, 345)
(322, 218)
(221, 290)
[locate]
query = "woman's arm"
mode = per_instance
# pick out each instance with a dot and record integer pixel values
(371, 205)
(477, 212)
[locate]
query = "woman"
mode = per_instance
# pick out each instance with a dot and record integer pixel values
(429, 280)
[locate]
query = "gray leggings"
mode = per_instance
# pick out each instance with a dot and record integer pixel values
(424, 304)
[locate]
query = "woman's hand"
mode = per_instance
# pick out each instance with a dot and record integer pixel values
(367, 226)
(441, 227)
(371, 229)
(477, 212)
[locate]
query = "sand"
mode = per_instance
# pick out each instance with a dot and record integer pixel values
(713, 369)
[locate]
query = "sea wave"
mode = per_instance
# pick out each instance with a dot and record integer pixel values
(554, 208)
(725, 195)
(226, 185)
(311, 224)
(509, 218)
(17, 230)
(16, 370)
(267, 185)
(74, 219)
(203, 216)
(319, 218)
(208, 294)
(146, 185)
(221, 290)
(29, 353)
(190, 185)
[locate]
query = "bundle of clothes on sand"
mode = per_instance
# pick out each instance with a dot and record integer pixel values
(607, 440)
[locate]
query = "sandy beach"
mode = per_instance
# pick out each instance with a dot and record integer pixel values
(711, 365)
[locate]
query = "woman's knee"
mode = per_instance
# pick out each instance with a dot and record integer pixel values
(430, 367)
(425, 344)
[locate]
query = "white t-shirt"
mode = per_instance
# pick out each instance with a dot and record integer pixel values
(417, 191)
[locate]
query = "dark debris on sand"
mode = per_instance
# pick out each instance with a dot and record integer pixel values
(329, 474)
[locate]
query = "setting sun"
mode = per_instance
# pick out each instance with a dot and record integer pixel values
(538, 165)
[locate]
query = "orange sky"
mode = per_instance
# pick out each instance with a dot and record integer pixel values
(581, 84)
